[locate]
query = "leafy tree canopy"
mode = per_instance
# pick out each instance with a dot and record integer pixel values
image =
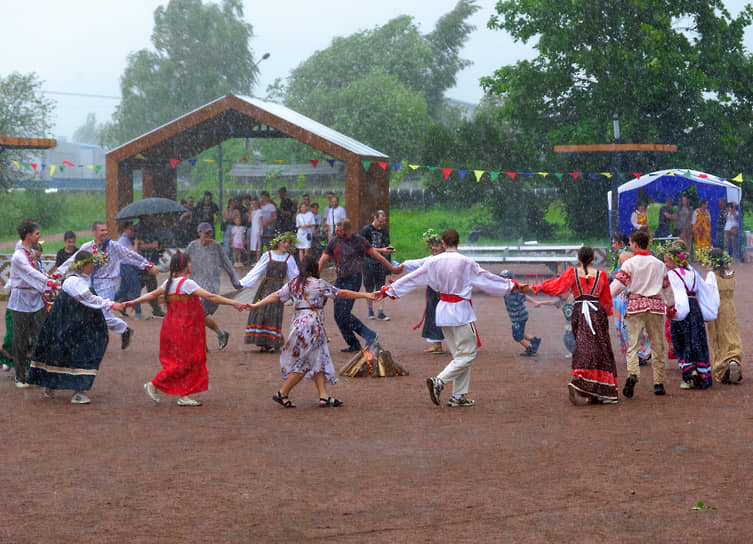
(201, 52)
(24, 112)
(90, 132)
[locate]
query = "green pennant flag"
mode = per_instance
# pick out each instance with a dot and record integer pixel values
(687, 174)
(559, 176)
(26, 165)
(98, 168)
(431, 168)
(62, 167)
(494, 174)
(366, 165)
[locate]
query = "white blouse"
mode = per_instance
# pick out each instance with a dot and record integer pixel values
(77, 286)
(188, 287)
(683, 280)
(261, 266)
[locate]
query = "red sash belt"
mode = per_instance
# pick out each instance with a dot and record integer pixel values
(444, 297)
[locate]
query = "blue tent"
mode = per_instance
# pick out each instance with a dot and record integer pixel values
(670, 183)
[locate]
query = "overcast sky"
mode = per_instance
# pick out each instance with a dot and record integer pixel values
(81, 46)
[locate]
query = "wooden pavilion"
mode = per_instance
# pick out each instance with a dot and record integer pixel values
(230, 116)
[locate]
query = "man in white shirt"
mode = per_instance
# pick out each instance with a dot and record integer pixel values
(268, 217)
(454, 276)
(104, 280)
(27, 297)
(732, 231)
(335, 213)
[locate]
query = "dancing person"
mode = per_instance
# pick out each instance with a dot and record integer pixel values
(105, 277)
(208, 260)
(619, 246)
(264, 326)
(305, 222)
(515, 304)
(374, 273)
(182, 340)
(130, 286)
(29, 288)
(684, 224)
(593, 366)
(74, 337)
(306, 353)
(430, 331)
(238, 239)
(348, 249)
(454, 276)
(724, 332)
(147, 244)
(702, 226)
(694, 303)
(69, 238)
(650, 298)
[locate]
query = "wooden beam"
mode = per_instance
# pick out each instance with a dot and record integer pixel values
(614, 147)
(11, 142)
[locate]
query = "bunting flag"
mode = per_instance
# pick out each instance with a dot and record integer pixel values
(606, 174)
(636, 175)
(446, 172)
(574, 175)
(432, 168)
(383, 165)
(279, 161)
(413, 166)
(68, 163)
(738, 178)
(16, 163)
(527, 174)
(396, 166)
(559, 176)
(478, 174)
(210, 161)
(52, 170)
(510, 175)
(137, 156)
(26, 165)
(543, 173)
(314, 162)
(34, 166)
(192, 162)
(174, 163)
(494, 174)
(703, 175)
(90, 167)
(671, 173)
(331, 163)
(244, 159)
(462, 173)
(98, 168)
(366, 165)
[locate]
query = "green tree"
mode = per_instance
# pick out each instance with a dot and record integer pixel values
(90, 132)
(24, 112)
(201, 52)
(675, 71)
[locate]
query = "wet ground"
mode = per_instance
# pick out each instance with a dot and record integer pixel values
(523, 465)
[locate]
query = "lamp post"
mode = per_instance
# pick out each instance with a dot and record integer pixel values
(614, 215)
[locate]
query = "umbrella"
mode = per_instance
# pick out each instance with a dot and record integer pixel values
(149, 206)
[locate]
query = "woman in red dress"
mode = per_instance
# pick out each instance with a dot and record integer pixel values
(594, 369)
(182, 342)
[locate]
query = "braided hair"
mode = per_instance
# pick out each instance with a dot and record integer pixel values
(178, 263)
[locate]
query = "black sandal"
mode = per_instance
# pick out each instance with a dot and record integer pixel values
(329, 401)
(282, 401)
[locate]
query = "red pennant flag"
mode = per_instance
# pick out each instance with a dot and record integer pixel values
(34, 166)
(244, 159)
(174, 162)
(383, 165)
(446, 172)
(703, 175)
(68, 163)
(575, 175)
(637, 175)
(314, 162)
(511, 175)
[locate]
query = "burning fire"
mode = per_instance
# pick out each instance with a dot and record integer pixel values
(373, 361)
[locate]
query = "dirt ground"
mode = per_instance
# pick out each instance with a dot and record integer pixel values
(523, 465)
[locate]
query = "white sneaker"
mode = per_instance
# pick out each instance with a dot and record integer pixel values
(151, 391)
(187, 401)
(686, 385)
(733, 367)
(80, 398)
(6, 368)
(22, 385)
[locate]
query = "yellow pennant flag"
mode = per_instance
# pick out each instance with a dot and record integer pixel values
(138, 156)
(52, 169)
(478, 173)
(606, 174)
(671, 173)
(414, 166)
(543, 173)
(16, 163)
(90, 166)
(209, 160)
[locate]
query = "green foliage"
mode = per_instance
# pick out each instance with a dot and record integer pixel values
(90, 132)
(675, 72)
(25, 113)
(201, 52)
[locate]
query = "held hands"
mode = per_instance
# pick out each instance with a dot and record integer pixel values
(119, 306)
(525, 288)
(397, 269)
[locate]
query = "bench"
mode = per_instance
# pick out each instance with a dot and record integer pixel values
(557, 257)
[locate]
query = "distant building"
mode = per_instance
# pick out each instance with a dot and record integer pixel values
(87, 173)
(256, 175)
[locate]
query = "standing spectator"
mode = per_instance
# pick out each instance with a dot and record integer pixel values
(206, 211)
(666, 216)
(721, 222)
(374, 274)
(305, 223)
(208, 260)
(639, 218)
(253, 233)
(348, 250)
(104, 278)
(645, 277)
(65, 253)
(238, 237)
(732, 231)
(130, 285)
(454, 276)
(147, 244)
(286, 212)
(702, 226)
(335, 213)
(228, 220)
(244, 205)
(325, 212)
(185, 227)
(684, 224)
(269, 217)
(27, 297)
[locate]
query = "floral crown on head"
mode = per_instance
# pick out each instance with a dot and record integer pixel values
(289, 236)
(431, 237)
(96, 258)
(704, 257)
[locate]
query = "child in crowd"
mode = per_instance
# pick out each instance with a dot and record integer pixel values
(64, 254)
(238, 238)
(516, 309)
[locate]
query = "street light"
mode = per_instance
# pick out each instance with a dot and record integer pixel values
(614, 215)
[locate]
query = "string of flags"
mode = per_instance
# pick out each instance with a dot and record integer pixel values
(40, 169)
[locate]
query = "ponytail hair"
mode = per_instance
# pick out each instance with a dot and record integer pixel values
(178, 263)
(585, 257)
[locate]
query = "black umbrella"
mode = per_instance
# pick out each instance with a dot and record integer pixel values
(149, 206)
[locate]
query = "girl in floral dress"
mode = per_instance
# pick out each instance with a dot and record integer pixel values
(182, 341)
(593, 366)
(305, 353)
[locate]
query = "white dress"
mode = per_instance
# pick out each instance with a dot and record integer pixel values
(253, 233)
(305, 233)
